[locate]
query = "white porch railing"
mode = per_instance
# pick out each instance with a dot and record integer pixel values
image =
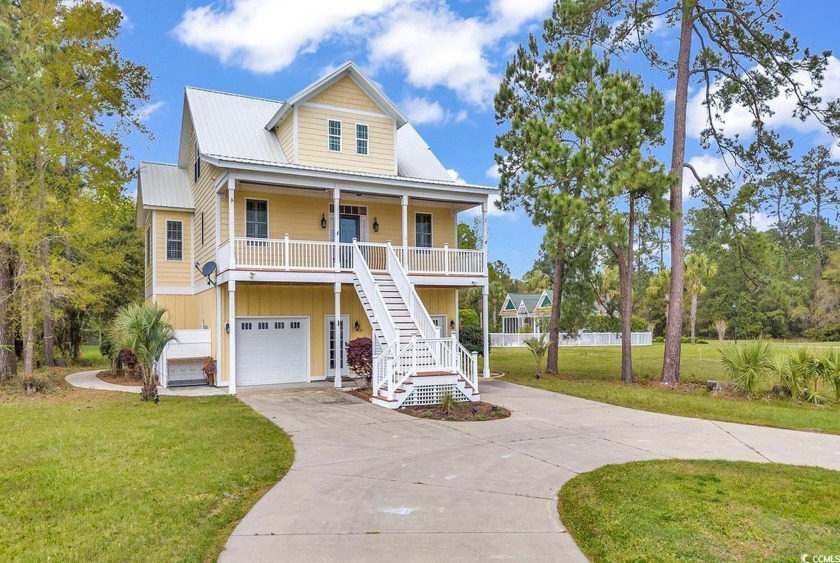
(505, 340)
(446, 261)
(287, 254)
(394, 366)
(374, 298)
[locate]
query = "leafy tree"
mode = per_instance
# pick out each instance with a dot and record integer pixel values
(142, 329)
(699, 270)
(535, 281)
(742, 56)
(820, 175)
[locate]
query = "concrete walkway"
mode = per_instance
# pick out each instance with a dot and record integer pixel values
(88, 380)
(370, 484)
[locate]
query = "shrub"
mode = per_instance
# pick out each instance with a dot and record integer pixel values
(32, 384)
(128, 361)
(360, 357)
(469, 318)
(526, 329)
(472, 339)
(748, 364)
(659, 339)
(606, 323)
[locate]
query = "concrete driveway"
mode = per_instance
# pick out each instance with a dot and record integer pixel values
(369, 484)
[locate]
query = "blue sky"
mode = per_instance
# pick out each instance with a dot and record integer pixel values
(438, 60)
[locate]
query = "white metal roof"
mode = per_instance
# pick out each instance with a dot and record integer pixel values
(415, 159)
(230, 127)
(161, 186)
(164, 185)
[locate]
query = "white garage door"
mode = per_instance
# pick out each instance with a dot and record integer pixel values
(272, 350)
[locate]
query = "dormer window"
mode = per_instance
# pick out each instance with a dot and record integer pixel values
(334, 134)
(361, 138)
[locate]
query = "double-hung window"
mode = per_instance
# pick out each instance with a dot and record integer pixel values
(334, 135)
(423, 230)
(256, 218)
(361, 138)
(174, 240)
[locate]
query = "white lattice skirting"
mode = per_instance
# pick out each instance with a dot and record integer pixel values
(433, 395)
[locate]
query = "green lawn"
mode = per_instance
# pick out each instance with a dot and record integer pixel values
(703, 511)
(94, 476)
(594, 373)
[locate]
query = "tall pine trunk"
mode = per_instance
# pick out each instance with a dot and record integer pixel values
(46, 305)
(552, 365)
(8, 361)
(625, 287)
(673, 328)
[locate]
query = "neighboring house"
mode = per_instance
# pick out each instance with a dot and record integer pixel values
(328, 206)
(531, 309)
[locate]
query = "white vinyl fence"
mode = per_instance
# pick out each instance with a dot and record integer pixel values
(583, 339)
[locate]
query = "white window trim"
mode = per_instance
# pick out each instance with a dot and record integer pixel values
(340, 134)
(358, 139)
(166, 237)
(267, 218)
(431, 231)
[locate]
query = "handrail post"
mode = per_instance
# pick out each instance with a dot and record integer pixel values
(414, 355)
(446, 259)
(286, 252)
(474, 370)
(456, 355)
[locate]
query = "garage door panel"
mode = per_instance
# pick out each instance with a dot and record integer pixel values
(272, 350)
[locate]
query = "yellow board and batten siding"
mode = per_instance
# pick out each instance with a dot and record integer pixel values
(316, 303)
(300, 217)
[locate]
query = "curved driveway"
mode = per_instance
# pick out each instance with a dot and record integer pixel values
(370, 484)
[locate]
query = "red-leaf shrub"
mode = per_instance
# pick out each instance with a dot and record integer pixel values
(360, 356)
(129, 364)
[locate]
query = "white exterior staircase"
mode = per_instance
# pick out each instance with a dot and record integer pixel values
(412, 365)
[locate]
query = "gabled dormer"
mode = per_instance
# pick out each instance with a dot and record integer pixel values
(341, 122)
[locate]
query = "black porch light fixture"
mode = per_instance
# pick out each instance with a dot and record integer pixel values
(451, 324)
(323, 221)
(375, 225)
(357, 326)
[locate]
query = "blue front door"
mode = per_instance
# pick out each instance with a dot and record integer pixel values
(348, 228)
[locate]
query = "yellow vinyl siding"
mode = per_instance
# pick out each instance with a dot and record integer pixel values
(204, 199)
(313, 142)
(173, 273)
(346, 94)
(300, 216)
(181, 310)
(148, 264)
(286, 134)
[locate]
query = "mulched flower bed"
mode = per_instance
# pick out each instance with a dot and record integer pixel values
(462, 412)
(108, 377)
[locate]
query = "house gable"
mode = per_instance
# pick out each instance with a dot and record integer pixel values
(345, 93)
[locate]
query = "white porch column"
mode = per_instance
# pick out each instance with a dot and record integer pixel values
(485, 291)
(232, 337)
(336, 231)
(404, 204)
(337, 336)
(231, 224)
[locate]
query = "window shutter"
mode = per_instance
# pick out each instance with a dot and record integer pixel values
(363, 228)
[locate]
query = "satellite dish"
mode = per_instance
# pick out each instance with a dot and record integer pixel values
(208, 269)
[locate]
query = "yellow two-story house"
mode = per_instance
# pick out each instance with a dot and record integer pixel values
(287, 229)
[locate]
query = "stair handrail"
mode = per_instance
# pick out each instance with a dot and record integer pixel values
(418, 312)
(374, 296)
(383, 367)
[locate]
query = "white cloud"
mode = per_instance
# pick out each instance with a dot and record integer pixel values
(738, 121)
(145, 112)
(759, 221)
(432, 44)
(422, 111)
(493, 173)
(455, 176)
(706, 165)
(250, 33)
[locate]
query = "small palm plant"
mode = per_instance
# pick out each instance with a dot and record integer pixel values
(748, 364)
(143, 330)
(538, 347)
